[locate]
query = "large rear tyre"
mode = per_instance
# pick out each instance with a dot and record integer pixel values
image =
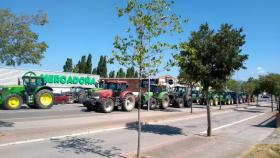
(13, 102)
(107, 105)
(165, 101)
(129, 103)
(44, 99)
(179, 103)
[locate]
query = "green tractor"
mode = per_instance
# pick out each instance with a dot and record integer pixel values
(33, 92)
(158, 97)
(225, 98)
(179, 96)
(212, 96)
(195, 96)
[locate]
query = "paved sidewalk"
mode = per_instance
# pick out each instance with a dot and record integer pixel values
(230, 142)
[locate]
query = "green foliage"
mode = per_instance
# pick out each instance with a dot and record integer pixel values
(112, 74)
(102, 66)
(233, 85)
(270, 83)
(211, 57)
(142, 47)
(248, 87)
(68, 67)
(94, 71)
(88, 68)
(18, 43)
(83, 64)
(136, 74)
(130, 72)
(120, 73)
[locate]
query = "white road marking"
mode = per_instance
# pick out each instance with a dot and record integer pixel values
(234, 123)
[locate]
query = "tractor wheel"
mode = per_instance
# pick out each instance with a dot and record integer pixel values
(13, 102)
(179, 103)
(107, 105)
(81, 98)
(165, 102)
(153, 104)
(44, 99)
(129, 103)
(188, 103)
(216, 102)
(211, 103)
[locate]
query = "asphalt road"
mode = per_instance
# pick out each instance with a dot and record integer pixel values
(121, 142)
(63, 111)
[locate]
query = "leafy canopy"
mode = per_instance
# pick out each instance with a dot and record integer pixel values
(18, 43)
(211, 57)
(141, 47)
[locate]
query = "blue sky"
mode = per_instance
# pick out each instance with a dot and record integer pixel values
(77, 28)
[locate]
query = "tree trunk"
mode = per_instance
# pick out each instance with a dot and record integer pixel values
(271, 102)
(191, 99)
(248, 100)
(220, 103)
(209, 130)
(139, 118)
(279, 104)
(257, 99)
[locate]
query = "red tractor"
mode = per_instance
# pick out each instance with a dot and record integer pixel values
(114, 94)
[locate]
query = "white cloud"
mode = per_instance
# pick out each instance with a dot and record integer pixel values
(260, 70)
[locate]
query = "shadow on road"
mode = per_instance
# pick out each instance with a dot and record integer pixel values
(268, 123)
(250, 110)
(168, 110)
(156, 129)
(6, 124)
(84, 146)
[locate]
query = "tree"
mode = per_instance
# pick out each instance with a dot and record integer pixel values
(88, 68)
(120, 73)
(112, 74)
(18, 43)
(136, 74)
(212, 57)
(130, 72)
(270, 83)
(102, 66)
(233, 85)
(142, 48)
(77, 67)
(82, 65)
(68, 67)
(248, 88)
(94, 71)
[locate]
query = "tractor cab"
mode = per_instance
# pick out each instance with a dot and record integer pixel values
(33, 81)
(181, 89)
(116, 86)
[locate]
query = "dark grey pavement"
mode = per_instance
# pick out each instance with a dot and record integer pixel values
(155, 136)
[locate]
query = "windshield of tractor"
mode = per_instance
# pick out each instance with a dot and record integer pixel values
(76, 89)
(30, 81)
(180, 89)
(116, 86)
(154, 88)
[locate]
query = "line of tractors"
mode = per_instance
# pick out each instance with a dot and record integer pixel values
(112, 95)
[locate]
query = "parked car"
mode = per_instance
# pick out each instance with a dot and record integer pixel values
(63, 99)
